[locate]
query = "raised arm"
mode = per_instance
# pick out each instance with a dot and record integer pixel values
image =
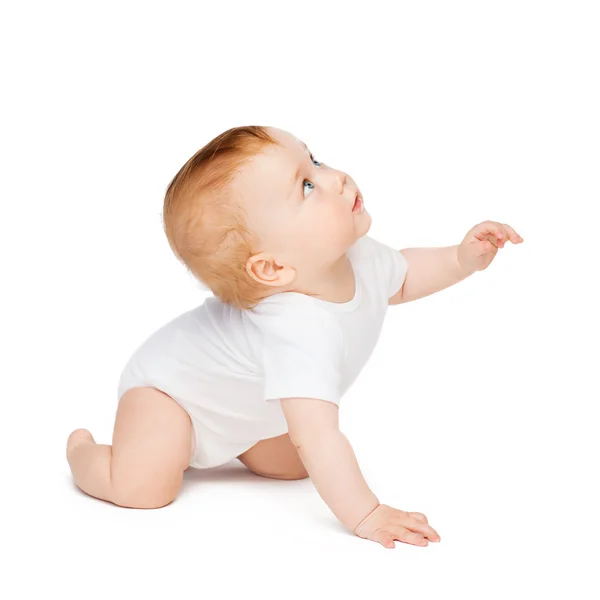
(429, 270)
(433, 269)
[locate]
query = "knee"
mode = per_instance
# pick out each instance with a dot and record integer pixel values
(150, 494)
(294, 475)
(288, 473)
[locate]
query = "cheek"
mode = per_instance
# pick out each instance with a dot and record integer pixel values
(338, 224)
(341, 214)
(328, 218)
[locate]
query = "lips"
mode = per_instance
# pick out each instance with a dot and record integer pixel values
(357, 207)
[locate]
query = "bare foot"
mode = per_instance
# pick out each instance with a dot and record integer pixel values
(78, 437)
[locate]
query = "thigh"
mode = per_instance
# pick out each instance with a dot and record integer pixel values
(274, 457)
(152, 445)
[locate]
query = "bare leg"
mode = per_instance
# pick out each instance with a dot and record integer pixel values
(151, 449)
(276, 458)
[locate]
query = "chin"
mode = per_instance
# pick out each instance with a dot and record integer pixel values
(359, 232)
(364, 226)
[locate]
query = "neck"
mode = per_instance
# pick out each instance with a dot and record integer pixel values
(335, 283)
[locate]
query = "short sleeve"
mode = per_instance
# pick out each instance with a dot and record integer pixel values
(302, 352)
(390, 263)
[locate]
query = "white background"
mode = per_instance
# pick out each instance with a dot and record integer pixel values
(479, 405)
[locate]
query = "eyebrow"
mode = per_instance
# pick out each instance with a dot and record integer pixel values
(295, 176)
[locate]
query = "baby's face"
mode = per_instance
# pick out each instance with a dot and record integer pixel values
(303, 211)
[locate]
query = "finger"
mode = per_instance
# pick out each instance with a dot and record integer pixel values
(424, 529)
(408, 537)
(514, 237)
(484, 247)
(501, 235)
(497, 237)
(495, 240)
(486, 228)
(385, 539)
(418, 516)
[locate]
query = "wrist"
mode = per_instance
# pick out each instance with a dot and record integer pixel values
(463, 271)
(365, 516)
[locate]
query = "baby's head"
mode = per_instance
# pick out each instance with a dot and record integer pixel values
(253, 213)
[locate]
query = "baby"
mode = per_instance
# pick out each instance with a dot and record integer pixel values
(257, 371)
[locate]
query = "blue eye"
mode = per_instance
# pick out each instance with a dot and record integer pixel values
(318, 164)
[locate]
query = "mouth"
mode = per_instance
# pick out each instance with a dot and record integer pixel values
(358, 204)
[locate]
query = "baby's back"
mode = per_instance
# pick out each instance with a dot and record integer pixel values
(206, 360)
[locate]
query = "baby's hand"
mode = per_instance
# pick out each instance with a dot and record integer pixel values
(386, 524)
(481, 244)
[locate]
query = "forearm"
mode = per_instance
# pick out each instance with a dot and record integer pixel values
(331, 463)
(431, 270)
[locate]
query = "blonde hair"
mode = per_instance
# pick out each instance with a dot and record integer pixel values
(205, 225)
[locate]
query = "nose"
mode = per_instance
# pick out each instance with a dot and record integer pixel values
(341, 179)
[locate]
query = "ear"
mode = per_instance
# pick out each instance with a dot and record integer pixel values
(265, 269)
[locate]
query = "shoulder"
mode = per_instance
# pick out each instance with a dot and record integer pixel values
(385, 267)
(291, 314)
(288, 306)
(367, 248)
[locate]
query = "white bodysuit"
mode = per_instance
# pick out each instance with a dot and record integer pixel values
(228, 367)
